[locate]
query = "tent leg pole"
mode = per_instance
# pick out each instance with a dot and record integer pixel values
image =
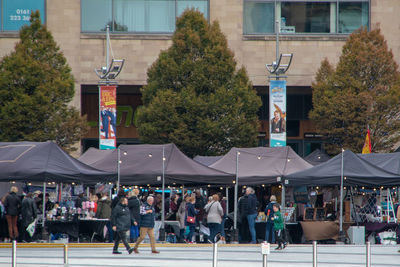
(227, 200)
(44, 212)
(235, 207)
(60, 193)
(341, 200)
(44, 204)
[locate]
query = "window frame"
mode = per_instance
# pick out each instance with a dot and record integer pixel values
(303, 34)
(137, 33)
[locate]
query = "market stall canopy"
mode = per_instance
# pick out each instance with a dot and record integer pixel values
(45, 162)
(317, 157)
(356, 171)
(93, 155)
(207, 160)
(387, 161)
(261, 165)
(143, 164)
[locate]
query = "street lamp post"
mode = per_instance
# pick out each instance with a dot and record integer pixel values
(236, 234)
(119, 166)
(341, 197)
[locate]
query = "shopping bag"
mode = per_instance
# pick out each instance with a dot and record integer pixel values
(31, 228)
(388, 238)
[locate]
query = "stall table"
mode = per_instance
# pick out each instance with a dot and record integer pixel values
(322, 230)
(75, 228)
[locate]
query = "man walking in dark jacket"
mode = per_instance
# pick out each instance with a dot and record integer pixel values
(121, 221)
(29, 214)
(147, 218)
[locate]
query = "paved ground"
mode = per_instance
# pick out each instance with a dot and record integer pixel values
(201, 256)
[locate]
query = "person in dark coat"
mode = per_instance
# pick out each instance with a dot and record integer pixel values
(134, 207)
(78, 202)
(147, 222)
(104, 212)
(115, 201)
(190, 212)
(121, 221)
(252, 213)
(12, 206)
(242, 217)
(29, 214)
(200, 202)
(269, 214)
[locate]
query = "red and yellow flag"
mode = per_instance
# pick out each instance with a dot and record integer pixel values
(367, 144)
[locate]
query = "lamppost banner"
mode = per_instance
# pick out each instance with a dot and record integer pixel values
(277, 113)
(107, 117)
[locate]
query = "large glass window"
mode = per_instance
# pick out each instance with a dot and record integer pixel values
(98, 13)
(258, 17)
(140, 16)
(304, 17)
(201, 5)
(308, 17)
(17, 13)
(352, 16)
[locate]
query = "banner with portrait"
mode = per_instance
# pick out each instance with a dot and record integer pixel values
(277, 113)
(108, 117)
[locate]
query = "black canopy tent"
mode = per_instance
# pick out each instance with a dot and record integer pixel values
(92, 155)
(261, 165)
(207, 160)
(143, 164)
(45, 162)
(156, 164)
(317, 157)
(356, 171)
(387, 161)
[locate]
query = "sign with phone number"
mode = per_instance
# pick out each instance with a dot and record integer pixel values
(18, 12)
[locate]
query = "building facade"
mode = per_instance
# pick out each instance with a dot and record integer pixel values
(312, 30)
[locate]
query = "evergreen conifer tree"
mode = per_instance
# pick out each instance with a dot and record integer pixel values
(195, 96)
(36, 86)
(362, 91)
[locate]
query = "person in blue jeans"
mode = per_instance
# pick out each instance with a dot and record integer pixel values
(214, 216)
(252, 213)
(190, 212)
(269, 214)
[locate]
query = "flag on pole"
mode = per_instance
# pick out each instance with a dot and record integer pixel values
(367, 144)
